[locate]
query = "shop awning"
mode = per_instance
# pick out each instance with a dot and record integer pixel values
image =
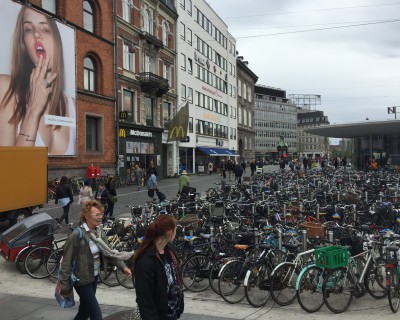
(218, 152)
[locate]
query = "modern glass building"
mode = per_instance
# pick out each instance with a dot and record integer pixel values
(378, 140)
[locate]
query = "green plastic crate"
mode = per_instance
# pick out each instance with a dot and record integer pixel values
(331, 257)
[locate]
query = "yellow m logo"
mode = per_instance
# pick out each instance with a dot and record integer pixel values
(122, 133)
(178, 133)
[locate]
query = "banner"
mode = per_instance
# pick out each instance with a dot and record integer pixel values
(29, 37)
(178, 126)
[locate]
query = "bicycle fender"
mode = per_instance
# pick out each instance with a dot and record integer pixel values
(302, 271)
(229, 262)
(281, 264)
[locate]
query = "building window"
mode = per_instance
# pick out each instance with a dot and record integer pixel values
(165, 33)
(182, 4)
(167, 71)
(129, 57)
(190, 67)
(93, 134)
(127, 6)
(239, 88)
(189, 7)
(183, 92)
(183, 62)
(190, 94)
(182, 31)
(148, 104)
(129, 105)
(189, 35)
(88, 16)
(190, 124)
(89, 74)
(148, 21)
(148, 63)
(249, 93)
(167, 111)
(49, 5)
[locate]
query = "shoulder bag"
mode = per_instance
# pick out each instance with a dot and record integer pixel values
(68, 302)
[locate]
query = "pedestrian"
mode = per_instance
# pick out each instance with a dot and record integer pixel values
(110, 186)
(85, 193)
(243, 166)
(305, 163)
(65, 197)
(152, 186)
(102, 195)
(210, 168)
(238, 173)
(253, 167)
(230, 167)
(88, 248)
(138, 175)
(152, 169)
(281, 164)
(292, 165)
(336, 163)
(158, 282)
(223, 169)
(374, 165)
(183, 181)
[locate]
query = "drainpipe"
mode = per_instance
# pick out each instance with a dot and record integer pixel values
(116, 85)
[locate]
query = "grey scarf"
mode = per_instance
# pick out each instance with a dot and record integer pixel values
(108, 252)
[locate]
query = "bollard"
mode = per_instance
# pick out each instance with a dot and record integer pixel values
(318, 211)
(269, 211)
(279, 239)
(366, 196)
(354, 212)
(284, 212)
(304, 239)
(330, 236)
(256, 234)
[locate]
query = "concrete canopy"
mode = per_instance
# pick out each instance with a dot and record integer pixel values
(358, 129)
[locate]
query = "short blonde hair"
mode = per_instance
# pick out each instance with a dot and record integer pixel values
(85, 211)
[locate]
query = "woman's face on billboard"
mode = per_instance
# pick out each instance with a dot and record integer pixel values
(38, 36)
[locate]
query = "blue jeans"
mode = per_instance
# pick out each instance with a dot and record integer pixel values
(88, 305)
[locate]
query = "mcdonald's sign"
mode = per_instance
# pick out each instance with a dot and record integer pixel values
(122, 133)
(179, 133)
(123, 115)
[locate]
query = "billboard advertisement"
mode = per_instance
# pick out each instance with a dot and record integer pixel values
(37, 81)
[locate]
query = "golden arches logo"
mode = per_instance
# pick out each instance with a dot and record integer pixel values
(122, 133)
(178, 132)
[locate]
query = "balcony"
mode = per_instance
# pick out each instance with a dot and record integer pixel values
(151, 39)
(153, 84)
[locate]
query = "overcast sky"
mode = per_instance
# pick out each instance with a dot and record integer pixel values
(356, 70)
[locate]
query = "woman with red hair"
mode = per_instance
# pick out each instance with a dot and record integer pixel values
(158, 280)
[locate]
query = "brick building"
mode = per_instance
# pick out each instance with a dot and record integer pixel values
(95, 90)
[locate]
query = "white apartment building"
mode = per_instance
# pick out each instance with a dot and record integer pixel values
(206, 79)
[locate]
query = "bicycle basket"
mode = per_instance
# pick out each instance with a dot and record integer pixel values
(314, 230)
(331, 257)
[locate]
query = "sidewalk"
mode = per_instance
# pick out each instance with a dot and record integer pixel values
(16, 307)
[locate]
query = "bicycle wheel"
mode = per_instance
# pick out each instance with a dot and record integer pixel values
(109, 276)
(393, 290)
(256, 286)
(195, 273)
(20, 259)
(337, 290)
(230, 283)
(35, 262)
(214, 272)
(53, 264)
(309, 293)
(375, 279)
(123, 279)
(283, 284)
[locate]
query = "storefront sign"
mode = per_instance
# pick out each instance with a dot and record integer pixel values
(141, 133)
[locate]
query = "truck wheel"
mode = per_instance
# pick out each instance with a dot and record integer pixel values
(20, 215)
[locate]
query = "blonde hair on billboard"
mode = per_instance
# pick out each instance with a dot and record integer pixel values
(21, 69)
